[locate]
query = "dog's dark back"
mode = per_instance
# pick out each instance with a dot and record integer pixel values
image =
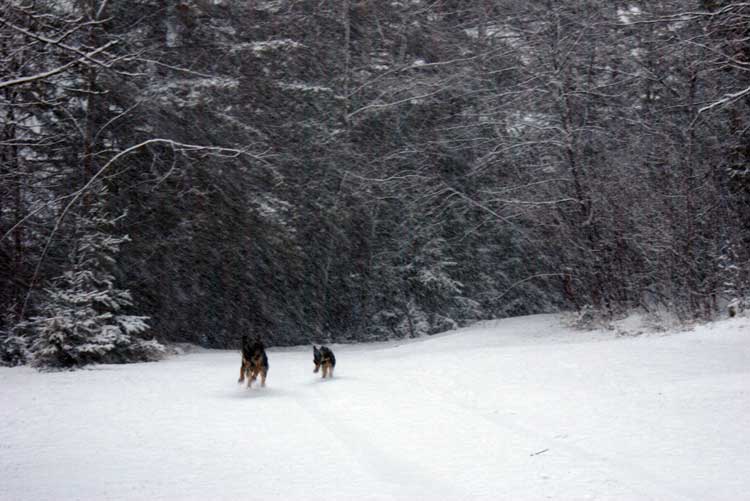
(252, 349)
(323, 354)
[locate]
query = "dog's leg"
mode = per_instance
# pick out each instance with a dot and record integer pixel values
(263, 379)
(325, 371)
(242, 372)
(251, 378)
(330, 372)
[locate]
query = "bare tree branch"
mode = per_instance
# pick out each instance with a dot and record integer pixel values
(56, 71)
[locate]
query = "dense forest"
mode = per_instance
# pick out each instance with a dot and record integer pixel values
(342, 170)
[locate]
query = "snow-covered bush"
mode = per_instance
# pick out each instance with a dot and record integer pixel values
(13, 350)
(586, 318)
(71, 333)
(734, 274)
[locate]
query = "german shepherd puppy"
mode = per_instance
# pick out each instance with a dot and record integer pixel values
(254, 361)
(324, 357)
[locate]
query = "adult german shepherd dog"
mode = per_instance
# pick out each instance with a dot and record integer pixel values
(323, 357)
(254, 361)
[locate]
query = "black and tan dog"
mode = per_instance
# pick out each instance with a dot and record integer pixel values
(323, 357)
(254, 361)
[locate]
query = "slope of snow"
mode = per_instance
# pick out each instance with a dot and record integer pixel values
(516, 409)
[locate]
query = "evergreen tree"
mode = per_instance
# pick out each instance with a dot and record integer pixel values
(82, 320)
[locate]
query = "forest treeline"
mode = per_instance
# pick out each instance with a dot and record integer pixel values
(345, 170)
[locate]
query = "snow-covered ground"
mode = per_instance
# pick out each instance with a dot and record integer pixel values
(519, 409)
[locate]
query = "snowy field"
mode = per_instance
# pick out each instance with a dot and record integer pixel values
(519, 409)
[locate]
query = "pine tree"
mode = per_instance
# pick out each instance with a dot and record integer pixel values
(82, 320)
